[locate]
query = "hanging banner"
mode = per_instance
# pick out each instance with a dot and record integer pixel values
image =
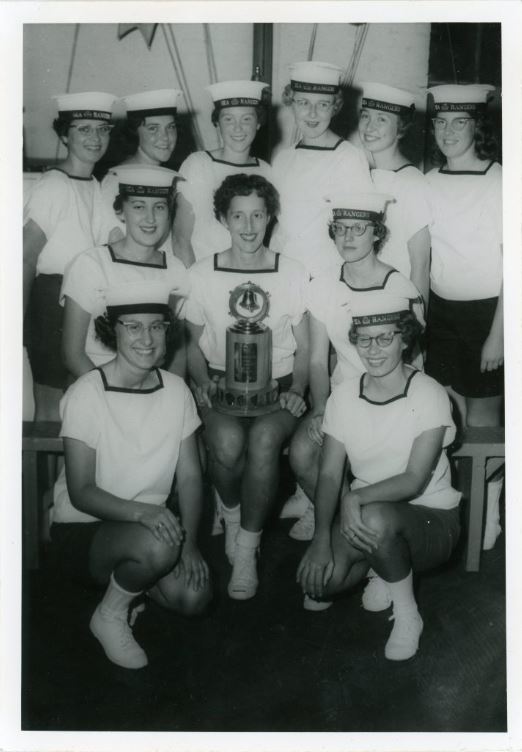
(147, 30)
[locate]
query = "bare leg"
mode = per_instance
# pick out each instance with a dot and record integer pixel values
(304, 458)
(46, 403)
(226, 441)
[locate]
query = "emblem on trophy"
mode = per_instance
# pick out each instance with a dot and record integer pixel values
(247, 389)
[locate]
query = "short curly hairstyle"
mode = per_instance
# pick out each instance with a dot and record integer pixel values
(259, 109)
(61, 124)
(288, 97)
(486, 145)
(105, 328)
(128, 132)
(242, 184)
(411, 332)
(380, 233)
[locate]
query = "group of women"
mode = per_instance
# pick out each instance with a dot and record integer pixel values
(128, 288)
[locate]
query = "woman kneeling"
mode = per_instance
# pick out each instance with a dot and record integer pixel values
(128, 427)
(390, 427)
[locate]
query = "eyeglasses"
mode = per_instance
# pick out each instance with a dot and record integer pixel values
(305, 104)
(89, 130)
(383, 340)
(136, 328)
(457, 124)
(358, 228)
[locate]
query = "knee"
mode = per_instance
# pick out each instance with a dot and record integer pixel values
(382, 519)
(157, 556)
(187, 601)
(303, 453)
(227, 445)
(264, 441)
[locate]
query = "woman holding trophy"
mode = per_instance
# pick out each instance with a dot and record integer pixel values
(249, 377)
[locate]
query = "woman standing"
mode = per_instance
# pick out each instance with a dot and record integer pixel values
(358, 230)
(386, 115)
(239, 111)
(244, 452)
(465, 322)
(389, 427)
(320, 164)
(63, 216)
(151, 133)
(144, 205)
(128, 430)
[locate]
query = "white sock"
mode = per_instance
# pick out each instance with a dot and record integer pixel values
(248, 539)
(492, 528)
(116, 599)
(231, 514)
(402, 595)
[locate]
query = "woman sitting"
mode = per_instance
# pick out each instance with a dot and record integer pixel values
(144, 206)
(388, 428)
(128, 429)
(244, 452)
(239, 112)
(358, 230)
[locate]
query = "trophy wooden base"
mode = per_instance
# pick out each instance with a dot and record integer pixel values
(246, 402)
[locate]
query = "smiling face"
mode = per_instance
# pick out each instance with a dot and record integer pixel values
(146, 219)
(87, 140)
(144, 349)
(455, 134)
(246, 220)
(381, 361)
(378, 130)
(352, 247)
(238, 127)
(157, 137)
(313, 113)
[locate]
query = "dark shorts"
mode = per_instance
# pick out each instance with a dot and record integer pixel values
(440, 533)
(72, 544)
(43, 332)
(456, 332)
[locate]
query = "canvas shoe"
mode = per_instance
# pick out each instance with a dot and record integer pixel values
(115, 636)
(310, 604)
(403, 641)
(304, 528)
(376, 595)
(296, 505)
(243, 582)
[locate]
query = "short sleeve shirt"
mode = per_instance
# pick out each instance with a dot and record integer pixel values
(136, 434)
(378, 437)
(208, 306)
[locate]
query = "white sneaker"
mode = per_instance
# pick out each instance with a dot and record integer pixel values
(403, 641)
(304, 528)
(243, 582)
(376, 595)
(231, 519)
(310, 604)
(296, 505)
(115, 637)
(491, 534)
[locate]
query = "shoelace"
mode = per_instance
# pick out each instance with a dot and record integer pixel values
(136, 611)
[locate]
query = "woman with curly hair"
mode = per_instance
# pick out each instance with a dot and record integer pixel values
(358, 229)
(239, 112)
(129, 429)
(321, 163)
(388, 428)
(244, 452)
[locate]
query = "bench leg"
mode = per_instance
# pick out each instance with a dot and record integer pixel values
(31, 533)
(476, 513)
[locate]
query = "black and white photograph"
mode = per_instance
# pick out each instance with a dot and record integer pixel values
(263, 373)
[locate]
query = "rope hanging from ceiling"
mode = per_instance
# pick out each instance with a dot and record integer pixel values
(211, 61)
(348, 76)
(69, 75)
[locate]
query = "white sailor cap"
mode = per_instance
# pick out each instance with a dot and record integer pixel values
(378, 307)
(460, 97)
(158, 102)
(349, 205)
(137, 297)
(86, 105)
(144, 180)
(317, 77)
(237, 93)
(378, 96)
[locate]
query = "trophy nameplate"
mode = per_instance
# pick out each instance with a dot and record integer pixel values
(247, 389)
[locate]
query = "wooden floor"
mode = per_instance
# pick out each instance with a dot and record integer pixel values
(268, 665)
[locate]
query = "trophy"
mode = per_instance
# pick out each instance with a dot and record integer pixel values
(247, 389)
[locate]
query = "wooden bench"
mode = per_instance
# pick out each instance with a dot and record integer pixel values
(37, 439)
(480, 453)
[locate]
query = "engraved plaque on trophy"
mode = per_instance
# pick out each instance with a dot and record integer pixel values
(247, 389)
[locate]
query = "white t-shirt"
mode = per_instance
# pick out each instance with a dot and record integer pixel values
(330, 299)
(304, 177)
(69, 211)
(203, 174)
(378, 437)
(208, 306)
(91, 274)
(466, 234)
(136, 434)
(408, 214)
